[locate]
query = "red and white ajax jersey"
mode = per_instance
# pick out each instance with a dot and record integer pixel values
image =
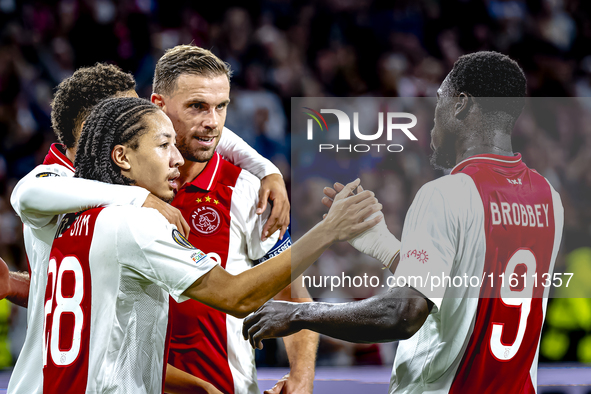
(38, 199)
(219, 206)
(110, 274)
(483, 242)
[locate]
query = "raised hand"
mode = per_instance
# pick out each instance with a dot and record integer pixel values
(347, 213)
(273, 188)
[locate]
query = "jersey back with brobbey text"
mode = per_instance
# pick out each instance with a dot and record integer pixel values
(109, 277)
(491, 220)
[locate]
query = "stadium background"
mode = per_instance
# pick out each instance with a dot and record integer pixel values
(280, 49)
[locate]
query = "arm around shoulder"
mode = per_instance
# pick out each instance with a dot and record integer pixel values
(237, 151)
(49, 190)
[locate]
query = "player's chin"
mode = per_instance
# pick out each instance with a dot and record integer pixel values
(166, 196)
(202, 155)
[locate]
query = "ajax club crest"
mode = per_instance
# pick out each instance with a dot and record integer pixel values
(206, 220)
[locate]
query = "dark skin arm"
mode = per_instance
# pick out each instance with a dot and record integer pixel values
(301, 348)
(395, 315)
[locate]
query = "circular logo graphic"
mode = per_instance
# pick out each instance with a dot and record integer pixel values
(206, 220)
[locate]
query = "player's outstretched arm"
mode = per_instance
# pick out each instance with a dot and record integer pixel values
(394, 315)
(14, 286)
(244, 293)
(237, 151)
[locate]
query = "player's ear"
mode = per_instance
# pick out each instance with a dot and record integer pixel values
(462, 106)
(157, 99)
(119, 157)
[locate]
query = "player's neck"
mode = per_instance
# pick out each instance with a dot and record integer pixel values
(71, 154)
(189, 171)
(499, 144)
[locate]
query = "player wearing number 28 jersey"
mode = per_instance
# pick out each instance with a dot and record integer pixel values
(105, 309)
(50, 190)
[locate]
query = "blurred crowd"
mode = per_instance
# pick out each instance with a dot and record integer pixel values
(281, 49)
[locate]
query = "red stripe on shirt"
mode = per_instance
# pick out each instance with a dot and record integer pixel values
(480, 370)
(199, 337)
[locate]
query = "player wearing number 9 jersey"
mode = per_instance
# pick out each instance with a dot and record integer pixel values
(469, 324)
(493, 218)
(111, 269)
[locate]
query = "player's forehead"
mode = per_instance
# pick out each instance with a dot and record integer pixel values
(445, 89)
(159, 126)
(211, 89)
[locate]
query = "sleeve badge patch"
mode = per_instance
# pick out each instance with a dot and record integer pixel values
(182, 241)
(198, 256)
(46, 174)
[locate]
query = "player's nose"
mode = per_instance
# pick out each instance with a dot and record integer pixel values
(211, 120)
(176, 159)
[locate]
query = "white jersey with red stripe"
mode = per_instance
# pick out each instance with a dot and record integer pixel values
(110, 274)
(219, 206)
(50, 190)
(465, 237)
(38, 199)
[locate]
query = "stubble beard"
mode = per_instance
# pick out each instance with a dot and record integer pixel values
(167, 200)
(444, 157)
(198, 156)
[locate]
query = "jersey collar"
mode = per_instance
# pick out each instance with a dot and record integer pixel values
(503, 161)
(57, 155)
(207, 179)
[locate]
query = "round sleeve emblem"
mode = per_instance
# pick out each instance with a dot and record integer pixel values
(206, 220)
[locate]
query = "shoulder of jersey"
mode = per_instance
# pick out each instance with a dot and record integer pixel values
(453, 188)
(448, 182)
(135, 216)
(249, 179)
(51, 170)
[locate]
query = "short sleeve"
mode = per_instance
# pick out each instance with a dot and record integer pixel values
(429, 240)
(155, 250)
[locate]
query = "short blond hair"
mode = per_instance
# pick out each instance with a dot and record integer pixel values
(186, 59)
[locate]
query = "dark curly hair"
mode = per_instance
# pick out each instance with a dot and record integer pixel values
(77, 95)
(186, 59)
(114, 121)
(488, 76)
